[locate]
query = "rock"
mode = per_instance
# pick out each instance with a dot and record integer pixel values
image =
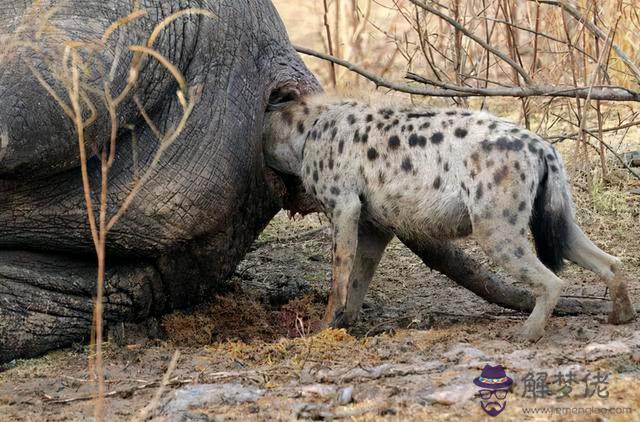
(345, 395)
(318, 390)
(452, 395)
(464, 353)
(596, 351)
(208, 395)
(520, 360)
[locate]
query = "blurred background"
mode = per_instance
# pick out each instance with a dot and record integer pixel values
(580, 43)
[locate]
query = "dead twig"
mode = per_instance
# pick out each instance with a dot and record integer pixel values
(605, 93)
(125, 392)
(146, 411)
(575, 13)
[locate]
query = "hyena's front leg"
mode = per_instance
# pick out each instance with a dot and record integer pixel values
(344, 216)
(372, 241)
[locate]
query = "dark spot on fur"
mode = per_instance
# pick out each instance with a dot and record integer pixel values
(415, 139)
(356, 136)
(446, 166)
(451, 113)
(493, 125)
(340, 147)
(334, 190)
(521, 206)
(394, 142)
(516, 165)
(330, 163)
(425, 125)
(475, 157)
(437, 138)
(351, 119)
(334, 132)
(479, 191)
(332, 203)
(406, 165)
(519, 252)
(437, 182)
(321, 165)
(372, 154)
(315, 175)
(499, 175)
(553, 168)
(418, 115)
(460, 132)
(489, 163)
(369, 118)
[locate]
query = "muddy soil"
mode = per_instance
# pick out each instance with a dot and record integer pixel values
(253, 353)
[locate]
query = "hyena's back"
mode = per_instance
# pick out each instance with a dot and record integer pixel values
(428, 172)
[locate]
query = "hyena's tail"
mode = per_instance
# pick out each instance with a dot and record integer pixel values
(552, 215)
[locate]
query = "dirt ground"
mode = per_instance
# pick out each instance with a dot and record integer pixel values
(253, 353)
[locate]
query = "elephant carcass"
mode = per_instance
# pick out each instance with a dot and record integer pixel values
(206, 200)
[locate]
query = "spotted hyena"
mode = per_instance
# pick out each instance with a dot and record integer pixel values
(425, 173)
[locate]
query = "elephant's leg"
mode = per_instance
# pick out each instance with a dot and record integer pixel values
(452, 261)
(371, 245)
(46, 301)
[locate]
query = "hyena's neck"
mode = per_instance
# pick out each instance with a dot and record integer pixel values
(303, 119)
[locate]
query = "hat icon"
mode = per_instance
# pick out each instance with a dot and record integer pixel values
(493, 377)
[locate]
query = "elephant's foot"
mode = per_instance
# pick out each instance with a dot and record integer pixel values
(46, 301)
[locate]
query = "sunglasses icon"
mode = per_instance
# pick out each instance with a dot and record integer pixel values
(498, 394)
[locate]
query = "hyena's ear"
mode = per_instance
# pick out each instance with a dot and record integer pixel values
(282, 97)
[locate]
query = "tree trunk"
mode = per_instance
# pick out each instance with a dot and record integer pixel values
(453, 262)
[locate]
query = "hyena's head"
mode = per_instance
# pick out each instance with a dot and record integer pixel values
(284, 132)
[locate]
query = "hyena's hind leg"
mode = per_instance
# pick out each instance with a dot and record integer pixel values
(584, 253)
(505, 242)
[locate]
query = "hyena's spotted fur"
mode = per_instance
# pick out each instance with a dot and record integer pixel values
(435, 173)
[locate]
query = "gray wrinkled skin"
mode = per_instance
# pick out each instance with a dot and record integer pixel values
(192, 222)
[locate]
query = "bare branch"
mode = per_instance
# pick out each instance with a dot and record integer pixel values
(458, 26)
(575, 13)
(606, 93)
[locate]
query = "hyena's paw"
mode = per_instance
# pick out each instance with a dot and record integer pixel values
(336, 318)
(531, 332)
(622, 314)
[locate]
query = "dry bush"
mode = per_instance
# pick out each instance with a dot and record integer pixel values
(229, 318)
(239, 317)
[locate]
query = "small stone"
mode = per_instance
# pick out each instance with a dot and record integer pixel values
(320, 390)
(453, 395)
(206, 395)
(596, 351)
(345, 395)
(464, 353)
